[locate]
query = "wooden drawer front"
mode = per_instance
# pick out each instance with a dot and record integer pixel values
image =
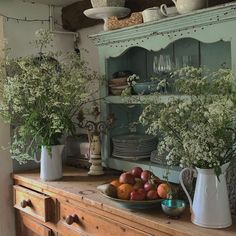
(28, 227)
(33, 203)
(92, 224)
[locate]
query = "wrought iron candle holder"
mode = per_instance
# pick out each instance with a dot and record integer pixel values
(94, 135)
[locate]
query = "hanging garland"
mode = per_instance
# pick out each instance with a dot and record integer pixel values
(24, 19)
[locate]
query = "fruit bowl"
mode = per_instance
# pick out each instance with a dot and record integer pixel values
(135, 205)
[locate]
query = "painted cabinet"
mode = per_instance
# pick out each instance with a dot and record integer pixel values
(205, 37)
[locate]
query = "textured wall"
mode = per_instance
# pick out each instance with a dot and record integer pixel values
(6, 220)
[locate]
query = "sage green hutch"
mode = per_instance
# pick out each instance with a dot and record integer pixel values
(207, 36)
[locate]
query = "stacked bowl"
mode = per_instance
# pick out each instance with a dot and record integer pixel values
(118, 83)
(133, 146)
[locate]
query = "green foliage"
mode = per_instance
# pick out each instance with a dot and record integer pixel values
(198, 130)
(42, 95)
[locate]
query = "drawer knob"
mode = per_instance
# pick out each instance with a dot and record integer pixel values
(72, 219)
(26, 203)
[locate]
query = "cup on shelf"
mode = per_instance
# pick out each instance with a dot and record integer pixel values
(152, 14)
(168, 11)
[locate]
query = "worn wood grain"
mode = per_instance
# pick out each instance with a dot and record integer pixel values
(29, 227)
(79, 190)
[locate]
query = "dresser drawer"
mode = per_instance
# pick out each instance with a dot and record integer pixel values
(35, 204)
(84, 222)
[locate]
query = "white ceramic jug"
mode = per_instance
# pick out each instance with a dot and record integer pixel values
(210, 206)
(152, 14)
(51, 163)
(168, 11)
(186, 6)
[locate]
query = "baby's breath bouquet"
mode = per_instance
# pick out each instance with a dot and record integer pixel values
(41, 95)
(197, 130)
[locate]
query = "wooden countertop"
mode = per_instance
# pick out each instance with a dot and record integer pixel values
(77, 185)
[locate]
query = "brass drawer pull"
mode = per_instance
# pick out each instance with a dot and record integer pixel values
(72, 219)
(25, 203)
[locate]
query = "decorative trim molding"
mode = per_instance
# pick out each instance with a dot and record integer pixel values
(195, 25)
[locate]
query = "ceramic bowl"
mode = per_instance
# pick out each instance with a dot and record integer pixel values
(118, 81)
(117, 90)
(173, 208)
(145, 87)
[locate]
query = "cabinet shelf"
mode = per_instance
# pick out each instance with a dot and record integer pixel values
(158, 170)
(142, 99)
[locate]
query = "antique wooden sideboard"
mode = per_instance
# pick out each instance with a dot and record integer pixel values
(73, 206)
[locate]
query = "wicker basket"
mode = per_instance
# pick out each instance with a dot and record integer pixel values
(108, 3)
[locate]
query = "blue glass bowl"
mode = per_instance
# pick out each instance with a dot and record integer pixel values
(173, 208)
(145, 87)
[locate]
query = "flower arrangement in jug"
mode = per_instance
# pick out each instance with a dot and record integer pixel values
(41, 96)
(197, 130)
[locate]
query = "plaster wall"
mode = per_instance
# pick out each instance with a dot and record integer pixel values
(6, 215)
(18, 35)
(89, 51)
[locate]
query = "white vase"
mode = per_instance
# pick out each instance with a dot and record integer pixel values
(51, 163)
(210, 206)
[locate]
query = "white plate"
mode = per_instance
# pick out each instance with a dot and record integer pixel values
(133, 138)
(131, 157)
(105, 12)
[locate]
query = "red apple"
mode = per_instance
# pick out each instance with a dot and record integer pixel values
(146, 175)
(127, 178)
(148, 186)
(152, 195)
(138, 195)
(137, 171)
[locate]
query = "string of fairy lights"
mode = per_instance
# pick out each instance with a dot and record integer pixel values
(26, 19)
(30, 20)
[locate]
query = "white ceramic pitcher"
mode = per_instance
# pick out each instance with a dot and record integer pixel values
(51, 163)
(210, 206)
(186, 6)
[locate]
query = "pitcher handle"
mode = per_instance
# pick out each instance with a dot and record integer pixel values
(36, 159)
(163, 9)
(183, 186)
(175, 2)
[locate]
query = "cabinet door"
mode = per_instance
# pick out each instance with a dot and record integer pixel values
(28, 227)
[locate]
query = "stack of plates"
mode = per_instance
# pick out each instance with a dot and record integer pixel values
(133, 146)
